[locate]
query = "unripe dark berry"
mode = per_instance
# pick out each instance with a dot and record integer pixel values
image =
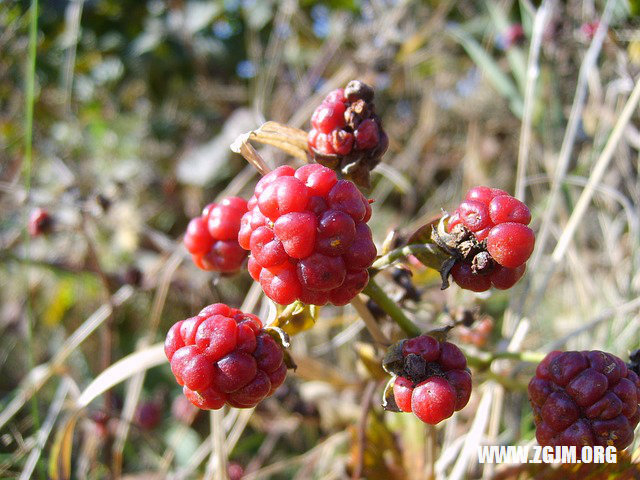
(584, 398)
(308, 236)
(224, 356)
(212, 238)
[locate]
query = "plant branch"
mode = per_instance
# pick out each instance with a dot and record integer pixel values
(375, 293)
(484, 359)
(403, 252)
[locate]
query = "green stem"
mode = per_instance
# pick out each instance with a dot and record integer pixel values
(403, 252)
(375, 293)
(29, 96)
(484, 360)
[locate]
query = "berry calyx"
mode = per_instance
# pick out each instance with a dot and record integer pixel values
(308, 236)
(489, 229)
(432, 380)
(223, 355)
(584, 398)
(212, 238)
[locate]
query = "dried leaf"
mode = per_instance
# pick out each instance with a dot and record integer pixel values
(60, 459)
(388, 398)
(370, 360)
(123, 369)
(382, 459)
(393, 361)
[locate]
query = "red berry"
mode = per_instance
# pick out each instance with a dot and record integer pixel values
(584, 398)
(308, 237)
(465, 278)
(342, 142)
(229, 359)
(484, 195)
(283, 195)
(505, 208)
(224, 218)
(280, 283)
(445, 385)
(212, 239)
(504, 278)
(40, 221)
(328, 116)
(474, 215)
(148, 415)
(198, 240)
(335, 96)
(367, 135)
(297, 232)
(433, 400)
(510, 244)
(402, 390)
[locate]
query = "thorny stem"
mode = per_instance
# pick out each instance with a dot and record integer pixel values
(402, 252)
(375, 293)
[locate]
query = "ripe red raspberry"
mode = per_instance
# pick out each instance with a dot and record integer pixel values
(346, 134)
(499, 221)
(40, 222)
(212, 238)
(584, 398)
(224, 356)
(434, 381)
(308, 236)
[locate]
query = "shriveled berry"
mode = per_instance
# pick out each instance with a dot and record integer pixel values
(575, 403)
(367, 135)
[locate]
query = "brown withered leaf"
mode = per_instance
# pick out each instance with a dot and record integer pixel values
(370, 360)
(382, 458)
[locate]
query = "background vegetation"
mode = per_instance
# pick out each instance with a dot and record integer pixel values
(134, 107)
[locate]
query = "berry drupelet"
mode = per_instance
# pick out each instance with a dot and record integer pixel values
(224, 356)
(346, 134)
(434, 381)
(495, 241)
(212, 238)
(308, 236)
(584, 398)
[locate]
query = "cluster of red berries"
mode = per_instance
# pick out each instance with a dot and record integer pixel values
(436, 381)
(212, 238)
(498, 223)
(223, 355)
(346, 134)
(308, 236)
(584, 398)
